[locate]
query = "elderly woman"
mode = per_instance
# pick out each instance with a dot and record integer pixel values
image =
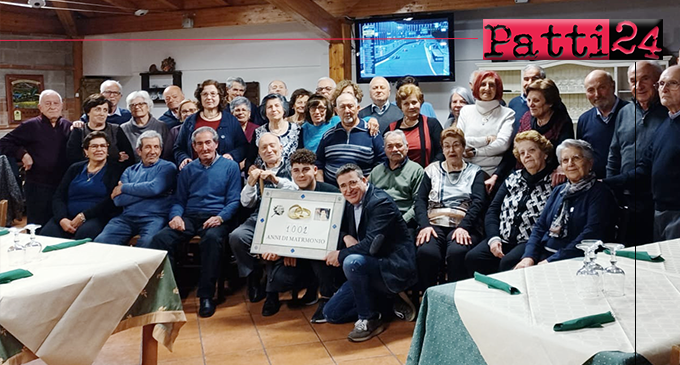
(318, 114)
(459, 98)
(422, 133)
(515, 208)
(82, 203)
(233, 143)
(140, 104)
(240, 108)
(97, 108)
(186, 108)
(290, 134)
(449, 210)
(548, 116)
(581, 209)
(298, 102)
(487, 124)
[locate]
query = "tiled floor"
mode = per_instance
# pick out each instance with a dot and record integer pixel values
(238, 334)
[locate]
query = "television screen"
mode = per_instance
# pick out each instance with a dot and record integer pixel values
(393, 47)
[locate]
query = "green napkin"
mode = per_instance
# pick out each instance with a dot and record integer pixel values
(496, 284)
(593, 321)
(66, 245)
(3, 231)
(638, 255)
(9, 276)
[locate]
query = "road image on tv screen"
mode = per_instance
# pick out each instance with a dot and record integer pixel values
(398, 48)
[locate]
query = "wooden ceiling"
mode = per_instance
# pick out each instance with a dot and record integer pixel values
(325, 17)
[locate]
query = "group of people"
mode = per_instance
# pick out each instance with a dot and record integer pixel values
(492, 188)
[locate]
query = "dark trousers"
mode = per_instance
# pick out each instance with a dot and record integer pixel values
(481, 259)
(309, 274)
(38, 202)
(90, 229)
(442, 248)
(240, 241)
(666, 225)
(211, 248)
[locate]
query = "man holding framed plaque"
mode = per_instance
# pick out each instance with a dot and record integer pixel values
(378, 257)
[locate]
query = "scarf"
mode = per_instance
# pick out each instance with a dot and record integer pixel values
(558, 227)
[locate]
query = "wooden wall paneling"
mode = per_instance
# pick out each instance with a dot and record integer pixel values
(340, 56)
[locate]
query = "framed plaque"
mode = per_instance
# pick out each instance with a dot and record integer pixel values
(304, 224)
(23, 92)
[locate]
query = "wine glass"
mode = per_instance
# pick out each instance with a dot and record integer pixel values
(16, 253)
(33, 247)
(588, 277)
(614, 277)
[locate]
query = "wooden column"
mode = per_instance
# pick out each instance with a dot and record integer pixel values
(340, 56)
(77, 67)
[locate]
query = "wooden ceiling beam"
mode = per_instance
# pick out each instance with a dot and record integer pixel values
(173, 4)
(203, 18)
(312, 15)
(67, 20)
(19, 23)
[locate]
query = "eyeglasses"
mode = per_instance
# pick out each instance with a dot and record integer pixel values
(138, 105)
(319, 108)
(327, 88)
(575, 159)
(212, 95)
(111, 93)
(98, 146)
(672, 85)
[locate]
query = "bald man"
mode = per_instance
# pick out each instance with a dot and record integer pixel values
(381, 109)
(173, 96)
(597, 124)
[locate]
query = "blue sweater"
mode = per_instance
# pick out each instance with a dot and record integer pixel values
(169, 119)
(214, 190)
(232, 140)
(147, 190)
(338, 147)
(660, 164)
(592, 217)
(519, 105)
(599, 134)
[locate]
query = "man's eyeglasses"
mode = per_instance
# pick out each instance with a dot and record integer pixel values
(111, 93)
(327, 88)
(672, 85)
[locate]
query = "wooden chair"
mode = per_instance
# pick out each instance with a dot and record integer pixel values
(3, 213)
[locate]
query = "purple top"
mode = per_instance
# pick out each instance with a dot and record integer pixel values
(45, 144)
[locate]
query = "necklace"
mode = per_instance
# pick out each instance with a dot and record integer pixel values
(448, 173)
(487, 115)
(91, 175)
(409, 125)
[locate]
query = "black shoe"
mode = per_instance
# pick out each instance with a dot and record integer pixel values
(271, 305)
(404, 308)
(206, 308)
(255, 288)
(310, 298)
(318, 316)
(365, 329)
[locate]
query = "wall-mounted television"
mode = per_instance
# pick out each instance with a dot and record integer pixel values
(394, 46)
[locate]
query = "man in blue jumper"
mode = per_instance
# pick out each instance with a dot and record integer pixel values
(596, 126)
(144, 191)
(206, 200)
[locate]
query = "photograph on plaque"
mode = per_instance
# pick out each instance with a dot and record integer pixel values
(303, 224)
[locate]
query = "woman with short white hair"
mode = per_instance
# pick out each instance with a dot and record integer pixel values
(140, 105)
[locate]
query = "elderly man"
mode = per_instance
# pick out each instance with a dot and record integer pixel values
(399, 176)
(235, 87)
(40, 144)
(144, 192)
(381, 108)
(348, 142)
(660, 160)
(596, 126)
(377, 256)
(289, 273)
(634, 129)
(277, 87)
(113, 92)
(273, 173)
(325, 86)
(173, 96)
(205, 202)
(530, 74)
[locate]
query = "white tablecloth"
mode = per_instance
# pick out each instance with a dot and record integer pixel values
(518, 329)
(75, 299)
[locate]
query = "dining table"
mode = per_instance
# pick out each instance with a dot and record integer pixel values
(468, 322)
(77, 294)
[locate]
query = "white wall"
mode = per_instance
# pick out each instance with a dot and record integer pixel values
(301, 63)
